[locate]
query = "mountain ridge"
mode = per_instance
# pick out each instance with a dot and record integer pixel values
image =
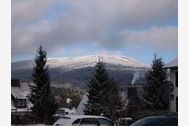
(78, 70)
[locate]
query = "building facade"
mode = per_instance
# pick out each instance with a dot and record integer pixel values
(172, 73)
(19, 97)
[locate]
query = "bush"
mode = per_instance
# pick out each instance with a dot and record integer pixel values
(25, 118)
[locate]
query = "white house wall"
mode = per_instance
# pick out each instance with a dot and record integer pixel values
(175, 91)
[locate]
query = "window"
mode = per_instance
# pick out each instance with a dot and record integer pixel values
(148, 122)
(176, 79)
(176, 104)
(88, 122)
(21, 103)
(76, 122)
(18, 103)
(59, 124)
(104, 122)
(171, 122)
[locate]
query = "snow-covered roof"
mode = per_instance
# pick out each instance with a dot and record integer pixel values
(17, 93)
(21, 91)
(81, 107)
(173, 63)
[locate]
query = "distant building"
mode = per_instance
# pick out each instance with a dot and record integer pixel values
(19, 97)
(172, 73)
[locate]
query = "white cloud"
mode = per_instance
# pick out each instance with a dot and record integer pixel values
(99, 21)
(160, 38)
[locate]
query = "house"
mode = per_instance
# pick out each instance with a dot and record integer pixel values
(19, 97)
(172, 73)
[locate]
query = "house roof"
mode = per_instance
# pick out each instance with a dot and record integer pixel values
(20, 92)
(81, 107)
(17, 93)
(173, 63)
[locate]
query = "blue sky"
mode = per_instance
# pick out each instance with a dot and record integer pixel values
(68, 28)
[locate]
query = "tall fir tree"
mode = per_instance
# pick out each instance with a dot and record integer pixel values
(134, 106)
(43, 102)
(113, 101)
(103, 94)
(156, 92)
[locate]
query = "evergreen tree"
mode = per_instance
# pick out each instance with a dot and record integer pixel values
(43, 102)
(102, 94)
(134, 107)
(113, 101)
(156, 92)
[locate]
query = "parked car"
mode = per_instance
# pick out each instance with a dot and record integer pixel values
(83, 120)
(157, 121)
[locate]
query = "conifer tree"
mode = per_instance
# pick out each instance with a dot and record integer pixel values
(156, 92)
(103, 94)
(43, 102)
(113, 101)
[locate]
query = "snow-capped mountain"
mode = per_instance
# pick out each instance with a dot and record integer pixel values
(77, 71)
